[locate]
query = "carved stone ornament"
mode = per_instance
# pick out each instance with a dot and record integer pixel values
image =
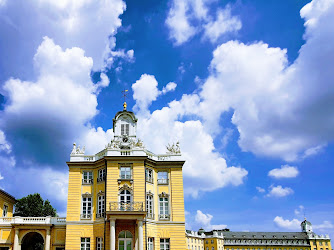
(149, 193)
(164, 195)
(100, 192)
(174, 148)
(125, 187)
(86, 195)
(77, 151)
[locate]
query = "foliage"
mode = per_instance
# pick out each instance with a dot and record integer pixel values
(33, 205)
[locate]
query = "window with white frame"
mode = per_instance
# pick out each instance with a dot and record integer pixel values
(100, 206)
(150, 244)
(86, 207)
(125, 172)
(164, 244)
(163, 207)
(101, 175)
(163, 177)
(5, 210)
(99, 243)
(85, 243)
(149, 205)
(87, 177)
(149, 175)
(125, 128)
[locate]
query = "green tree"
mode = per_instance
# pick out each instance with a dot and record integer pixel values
(33, 205)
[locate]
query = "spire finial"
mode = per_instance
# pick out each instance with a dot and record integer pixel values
(124, 92)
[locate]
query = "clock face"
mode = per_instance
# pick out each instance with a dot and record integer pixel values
(125, 139)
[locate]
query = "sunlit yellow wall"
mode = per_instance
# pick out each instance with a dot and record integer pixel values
(5, 200)
(320, 244)
(195, 243)
(261, 247)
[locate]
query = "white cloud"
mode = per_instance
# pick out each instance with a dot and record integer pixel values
(71, 23)
(178, 22)
(145, 91)
(325, 225)
(224, 23)
(54, 109)
(285, 171)
(96, 139)
(162, 127)
(1, 177)
(279, 191)
(204, 220)
(171, 86)
(260, 189)
(299, 210)
(271, 113)
(186, 18)
(4, 144)
(293, 224)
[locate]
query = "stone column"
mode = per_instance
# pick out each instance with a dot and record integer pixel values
(112, 234)
(140, 235)
(48, 239)
(16, 239)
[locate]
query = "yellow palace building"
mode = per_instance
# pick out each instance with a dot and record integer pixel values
(127, 198)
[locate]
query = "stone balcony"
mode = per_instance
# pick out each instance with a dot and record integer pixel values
(33, 220)
(126, 206)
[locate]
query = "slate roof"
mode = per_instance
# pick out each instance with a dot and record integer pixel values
(264, 235)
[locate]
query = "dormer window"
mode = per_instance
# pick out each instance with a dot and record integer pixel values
(125, 128)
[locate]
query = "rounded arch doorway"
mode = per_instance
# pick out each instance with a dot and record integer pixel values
(32, 241)
(125, 239)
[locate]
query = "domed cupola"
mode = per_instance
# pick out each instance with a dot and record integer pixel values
(306, 226)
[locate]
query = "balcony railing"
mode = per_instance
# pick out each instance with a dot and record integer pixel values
(163, 181)
(164, 217)
(100, 215)
(32, 220)
(100, 179)
(86, 216)
(126, 206)
(87, 181)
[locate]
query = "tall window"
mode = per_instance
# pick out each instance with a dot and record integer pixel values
(99, 243)
(163, 208)
(149, 175)
(150, 244)
(125, 172)
(100, 206)
(125, 200)
(101, 175)
(85, 243)
(5, 210)
(149, 206)
(164, 244)
(87, 177)
(86, 207)
(125, 129)
(162, 177)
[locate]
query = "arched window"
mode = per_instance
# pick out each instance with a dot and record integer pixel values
(125, 240)
(125, 199)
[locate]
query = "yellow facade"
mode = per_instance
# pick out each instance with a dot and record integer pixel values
(6, 204)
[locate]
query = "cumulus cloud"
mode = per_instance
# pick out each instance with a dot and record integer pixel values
(325, 225)
(163, 127)
(71, 23)
(260, 189)
(285, 171)
(186, 18)
(223, 24)
(54, 109)
(171, 86)
(279, 191)
(1, 177)
(299, 210)
(204, 220)
(4, 144)
(267, 96)
(293, 224)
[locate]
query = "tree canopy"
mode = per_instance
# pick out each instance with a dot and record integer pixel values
(33, 205)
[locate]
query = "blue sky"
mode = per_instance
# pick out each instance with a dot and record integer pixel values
(245, 86)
